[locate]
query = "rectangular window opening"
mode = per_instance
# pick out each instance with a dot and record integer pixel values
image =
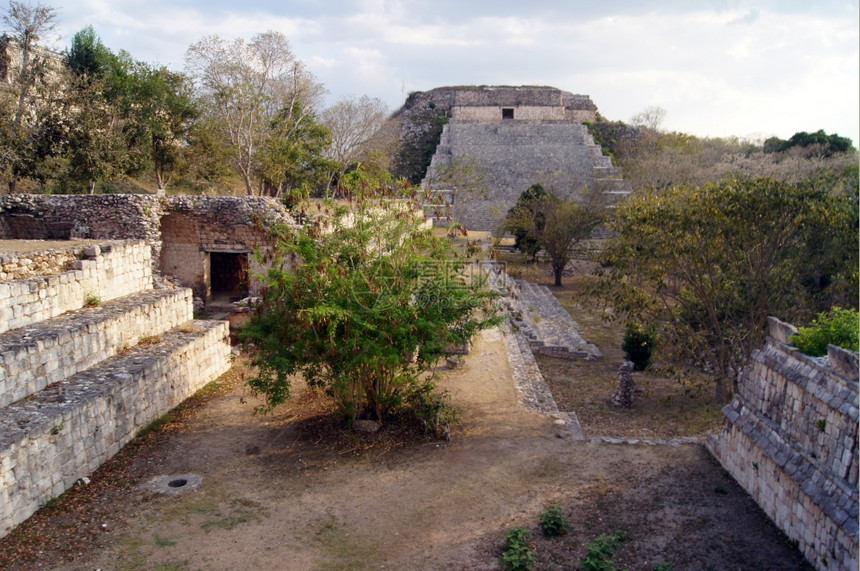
(507, 113)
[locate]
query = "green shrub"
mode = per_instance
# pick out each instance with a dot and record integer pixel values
(838, 326)
(518, 554)
(638, 345)
(552, 522)
(599, 552)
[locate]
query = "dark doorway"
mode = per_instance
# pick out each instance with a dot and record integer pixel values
(229, 274)
(507, 113)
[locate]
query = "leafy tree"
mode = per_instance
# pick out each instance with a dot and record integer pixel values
(28, 132)
(164, 110)
(525, 219)
(706, 265)
(293, 160)
(561, 227)
(569, 224)
(102, 143)
(363, 309)
(840, 327)
(829, 143)
(249, 88)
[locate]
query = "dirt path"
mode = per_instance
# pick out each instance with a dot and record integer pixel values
(273, 496)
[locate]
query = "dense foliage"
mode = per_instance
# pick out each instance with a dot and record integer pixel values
(706, 265)
(560, 226)
(829, 144)
(638, 346)
(363, 308)
(525, 220)
(840, 327)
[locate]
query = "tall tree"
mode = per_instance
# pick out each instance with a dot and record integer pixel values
(28, 23)
(706, 265)
(293, 162)
(164, 110)
(559, 225)
(28, 115)
(353, 123)
(98, 148)
(524, 219)
(243, 86)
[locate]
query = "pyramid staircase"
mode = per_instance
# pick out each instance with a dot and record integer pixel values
(543, 321)
(88, 357)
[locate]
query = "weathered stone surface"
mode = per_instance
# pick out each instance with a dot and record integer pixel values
(64, 432)
(92, 377)
(790, 440)
(181, 231)
(119, 269)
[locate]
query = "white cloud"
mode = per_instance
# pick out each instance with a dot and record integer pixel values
(742, 65)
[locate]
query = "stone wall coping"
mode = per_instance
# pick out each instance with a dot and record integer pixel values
(843, 361)
(49, 406)
(780, 330)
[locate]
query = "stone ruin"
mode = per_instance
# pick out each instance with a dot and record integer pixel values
(94, 343)
(90, 353)
(626, 391)
(518, 136)
(790, 440)
(202, 242)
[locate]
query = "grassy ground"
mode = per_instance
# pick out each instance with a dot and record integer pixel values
(674, 400)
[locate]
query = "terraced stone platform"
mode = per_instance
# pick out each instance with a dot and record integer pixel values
(78, 382)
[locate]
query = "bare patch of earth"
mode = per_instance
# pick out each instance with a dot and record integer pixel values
(292, 490)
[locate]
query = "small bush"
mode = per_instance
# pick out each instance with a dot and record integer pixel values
(838, 326)
(432, 409)
(638, 345)
(92, 300)
(518, 554)
(600, 551)
(552, 522)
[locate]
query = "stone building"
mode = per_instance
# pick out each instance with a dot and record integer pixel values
(790, 439)
(517, 136)
(202, 242)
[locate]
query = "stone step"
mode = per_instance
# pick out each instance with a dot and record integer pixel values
(37, 355)
(107, 272)
(67, 430)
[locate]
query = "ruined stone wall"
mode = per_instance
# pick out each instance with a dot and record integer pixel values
(77, 383)
(64, 433)
(790, 439)
(107, 272)
(180, 230)
(23, 265)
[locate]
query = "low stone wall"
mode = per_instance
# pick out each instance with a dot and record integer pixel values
(790, 439)
(65, 432)
(35, 356)
(107, 272)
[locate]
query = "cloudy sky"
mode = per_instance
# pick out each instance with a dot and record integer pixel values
(750, 68)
